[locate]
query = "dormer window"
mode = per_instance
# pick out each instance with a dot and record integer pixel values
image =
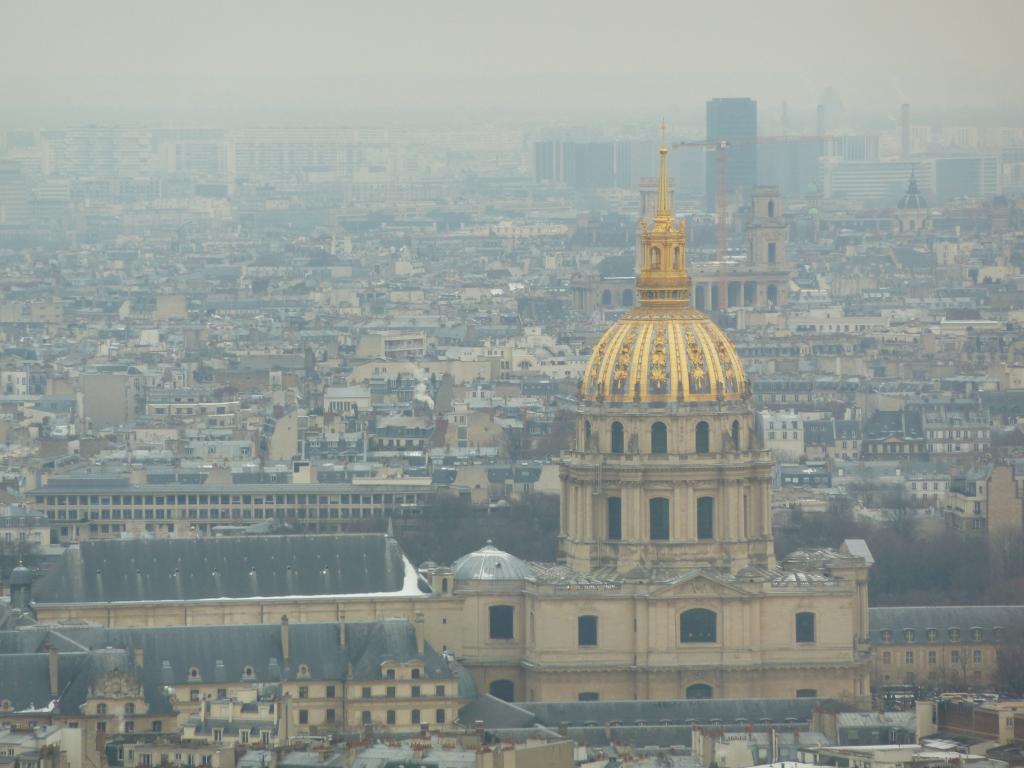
(415, 673)
(303, 670)
(193, 674)
(886, 635)
(389, 674)
(954, 635)
(908, 635)
(977, 634)
(101, 709)
(933, 635)
(248, 673)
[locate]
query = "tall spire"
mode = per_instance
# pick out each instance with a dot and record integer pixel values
(663, 281)
(663, 213)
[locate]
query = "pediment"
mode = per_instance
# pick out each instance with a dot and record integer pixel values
(698, 583)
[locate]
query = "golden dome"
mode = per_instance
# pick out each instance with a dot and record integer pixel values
(664, 350)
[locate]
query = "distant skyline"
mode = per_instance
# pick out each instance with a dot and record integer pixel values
(535, 60)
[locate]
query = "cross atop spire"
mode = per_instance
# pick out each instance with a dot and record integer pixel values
(663, 212)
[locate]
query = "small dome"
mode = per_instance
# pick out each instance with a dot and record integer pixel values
(21, 577)
(912, 200)
(490, 564)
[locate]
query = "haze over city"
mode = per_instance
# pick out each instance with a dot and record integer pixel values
(525, 385)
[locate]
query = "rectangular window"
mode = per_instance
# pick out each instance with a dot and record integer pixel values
(659, 519)
(415, 692)
(392, 718)
(330, 716)
(588, 696)
(367, 718)
(501, 622)
(330, 692)
(586, 630)
(614, 518)
(303, 691)
(977, 657)
(415, 717)
(933, 657)
(366, 692)
(705, 518)
(439, 690)
(805, 627)
(439, 716)
(303, 716)
(390, 692)
(909, 657)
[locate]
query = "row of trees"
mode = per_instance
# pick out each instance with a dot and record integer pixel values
(913, 567)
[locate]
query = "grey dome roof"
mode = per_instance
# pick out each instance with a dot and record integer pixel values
(490, 564)
(21, 576)
(913, 199)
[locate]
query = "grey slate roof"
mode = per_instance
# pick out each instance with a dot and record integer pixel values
(223, 567)
(497, 714)
(943, 618)
(217, 653)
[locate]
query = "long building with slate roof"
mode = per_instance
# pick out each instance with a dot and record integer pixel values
(942, 646)
(336, 676)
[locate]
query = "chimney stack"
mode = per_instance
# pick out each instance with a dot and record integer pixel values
(418, 624)
(284, 639)
(54, 671)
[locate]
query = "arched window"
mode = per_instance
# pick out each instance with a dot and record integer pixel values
(606, 298)
(618, 440)
(586, 630)
(614, 518)
(659, 519)
(444, 585)
(659, 437)
(699, 691)
(773, 294)
(655, 258)
(705, 518)
(586, 435)
(805, 627)
(503, 689)
(698, 625)
(501, 622)
(703, 437)
(735, 434)
(675, 257)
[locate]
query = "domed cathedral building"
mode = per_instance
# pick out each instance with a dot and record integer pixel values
(668, 586)
(912, 216)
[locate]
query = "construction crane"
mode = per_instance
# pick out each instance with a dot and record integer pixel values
(721, 147)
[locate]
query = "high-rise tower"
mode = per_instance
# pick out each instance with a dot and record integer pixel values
(733, 120)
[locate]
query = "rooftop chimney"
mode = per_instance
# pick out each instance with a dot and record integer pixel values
(54, 672)
(284, 639)
(418, 624)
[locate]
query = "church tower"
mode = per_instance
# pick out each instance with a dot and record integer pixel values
(667, 474)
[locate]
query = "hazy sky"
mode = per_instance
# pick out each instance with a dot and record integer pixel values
(544, 58)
